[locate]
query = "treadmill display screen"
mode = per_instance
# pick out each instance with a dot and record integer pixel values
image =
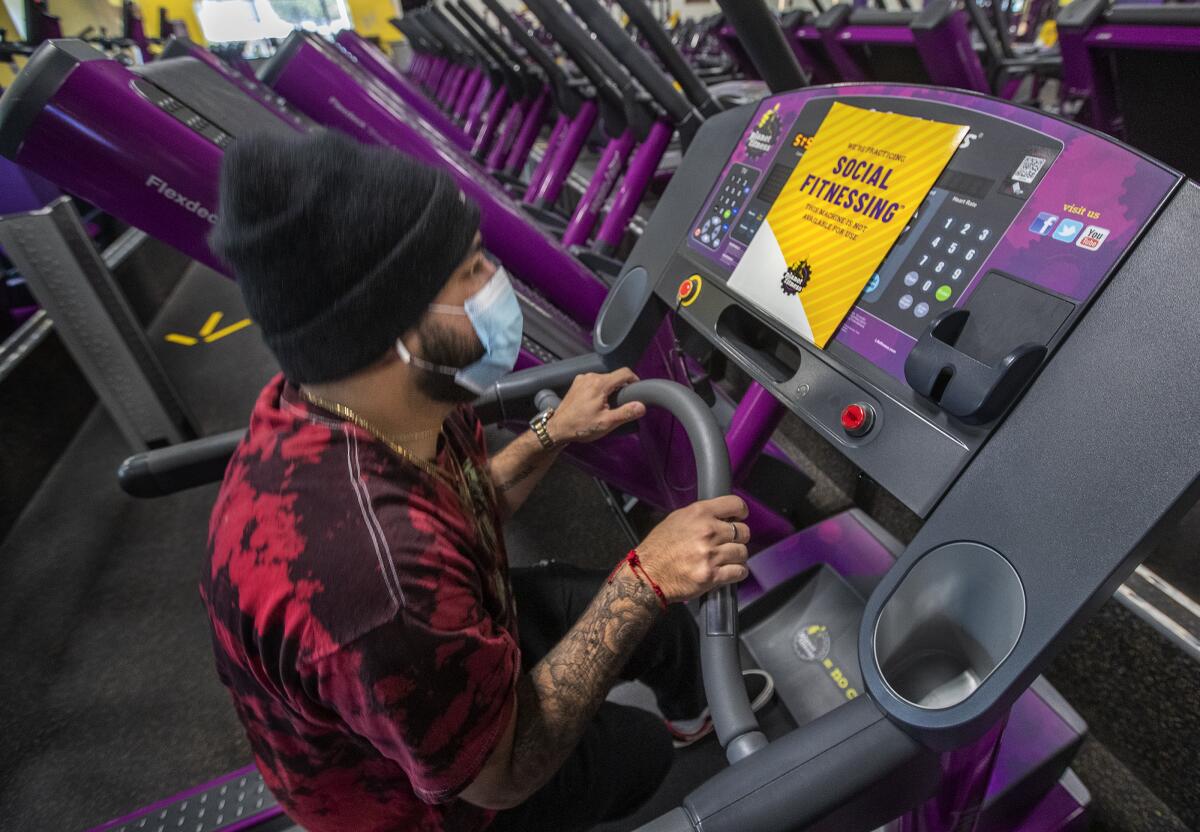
(935, 263)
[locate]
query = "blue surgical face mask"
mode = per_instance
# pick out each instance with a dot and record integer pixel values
(496, 316)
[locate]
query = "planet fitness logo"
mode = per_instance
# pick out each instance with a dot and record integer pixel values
(764, 135)
(796, 278)
(812, 642)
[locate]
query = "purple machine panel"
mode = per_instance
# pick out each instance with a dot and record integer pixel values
(23, 190)
(1046, 216)
(167, 187)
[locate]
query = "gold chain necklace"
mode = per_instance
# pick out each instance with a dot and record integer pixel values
(457, 480)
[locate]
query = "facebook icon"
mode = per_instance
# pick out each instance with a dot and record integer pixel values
(1044, 224)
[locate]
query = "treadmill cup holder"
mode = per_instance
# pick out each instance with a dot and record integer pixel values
(628, 320)
(961, 385)
(952, 620)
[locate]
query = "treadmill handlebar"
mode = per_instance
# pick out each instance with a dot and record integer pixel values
(512, 398)
(633, 58)
(414, 23)
(713, 478)
(421, 40)
(480, 41)
(568, 93)
(481, 30)
(766, 43)
(602, 69)
(728, 702)
(612, 99)
(683, 72)
(166, 471)
(534, 50)
(458, 40)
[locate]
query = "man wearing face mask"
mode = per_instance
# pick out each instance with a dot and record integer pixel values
(391, 671)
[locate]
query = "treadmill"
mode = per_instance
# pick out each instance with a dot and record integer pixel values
(932, 46)
(1031, 519)
(181, 375)
(1130, 70)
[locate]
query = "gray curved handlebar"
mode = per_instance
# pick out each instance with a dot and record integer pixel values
(734, 720)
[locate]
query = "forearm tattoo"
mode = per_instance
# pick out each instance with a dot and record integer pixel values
(562, 693)
(523, 458)
(512, 479)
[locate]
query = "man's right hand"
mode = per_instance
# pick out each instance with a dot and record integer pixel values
(693, 550)
(698, 548)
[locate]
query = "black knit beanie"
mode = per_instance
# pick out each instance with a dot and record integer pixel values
(338, 247)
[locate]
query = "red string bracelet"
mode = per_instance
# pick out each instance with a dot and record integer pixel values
(639, 572)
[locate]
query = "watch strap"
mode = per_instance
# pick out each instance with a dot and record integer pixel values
(538, 425)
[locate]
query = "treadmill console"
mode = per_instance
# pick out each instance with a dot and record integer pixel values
(180, 112)
(1023, 227)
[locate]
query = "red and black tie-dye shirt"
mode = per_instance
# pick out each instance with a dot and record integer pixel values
(362, 618)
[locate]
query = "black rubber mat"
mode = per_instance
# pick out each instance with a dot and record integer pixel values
(218, 376)
(1140, 696)
(45, 400)
(110, 699)
(1122, 802)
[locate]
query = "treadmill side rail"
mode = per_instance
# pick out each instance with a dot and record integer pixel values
(165, 471)
(71, 281)
(850, 769)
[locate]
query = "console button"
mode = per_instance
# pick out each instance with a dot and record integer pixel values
(689, 290)
(858, 419)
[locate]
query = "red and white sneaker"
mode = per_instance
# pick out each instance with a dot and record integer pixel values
(759, 685)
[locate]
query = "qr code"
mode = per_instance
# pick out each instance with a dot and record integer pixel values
(1027, 171)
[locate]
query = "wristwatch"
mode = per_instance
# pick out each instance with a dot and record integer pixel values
(538, 425)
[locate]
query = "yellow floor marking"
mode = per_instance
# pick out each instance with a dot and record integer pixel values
(211, 324)
(229, 330)
(209, 331)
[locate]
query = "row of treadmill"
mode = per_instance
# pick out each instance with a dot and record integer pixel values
(1121, 68)
(1029, 398)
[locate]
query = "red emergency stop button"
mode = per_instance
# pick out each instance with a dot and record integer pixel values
(858, 419)
(689, 290)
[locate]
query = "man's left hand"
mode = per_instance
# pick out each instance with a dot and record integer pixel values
(584, 415)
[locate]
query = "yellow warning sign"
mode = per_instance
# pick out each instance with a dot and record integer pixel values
(208, 332)
(841, 210)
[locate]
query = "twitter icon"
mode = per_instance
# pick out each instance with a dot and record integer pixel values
(1068, 230)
